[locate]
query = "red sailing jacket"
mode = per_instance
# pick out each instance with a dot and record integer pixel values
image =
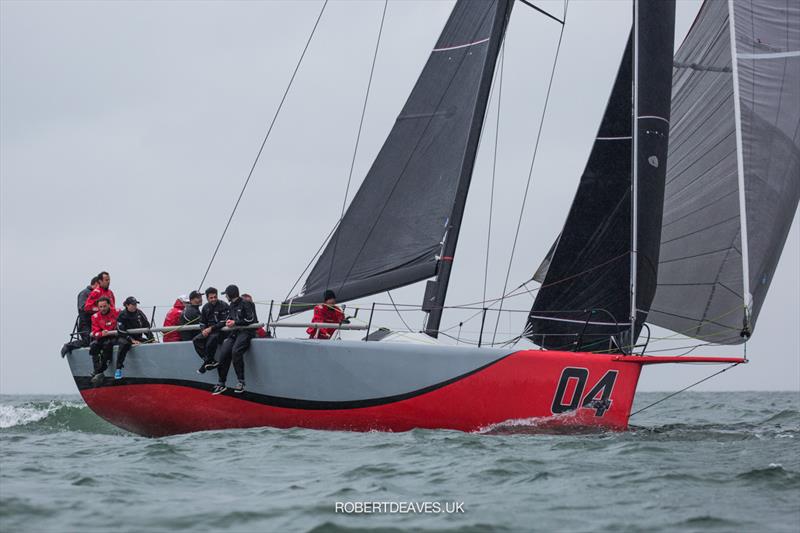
(329, 315)
(101, 323)
(173, 318)
(96, 294)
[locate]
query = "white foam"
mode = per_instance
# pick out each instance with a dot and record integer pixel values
(20, 415)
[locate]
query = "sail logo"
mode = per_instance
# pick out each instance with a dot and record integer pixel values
(569, 394)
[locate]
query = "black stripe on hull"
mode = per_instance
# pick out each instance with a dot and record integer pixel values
(84, 383)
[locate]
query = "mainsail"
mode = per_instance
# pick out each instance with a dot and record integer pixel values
(585, 300)
(733, 178)
(412, 199)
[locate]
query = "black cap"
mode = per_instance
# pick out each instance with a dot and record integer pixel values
(131, 300)
(195, 294)
(328, 295)
(231, 291)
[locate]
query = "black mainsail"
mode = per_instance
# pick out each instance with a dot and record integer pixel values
(589, 288)
(733, 179)
(402, 225)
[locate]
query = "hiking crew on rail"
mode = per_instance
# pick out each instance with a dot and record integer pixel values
(224, 337)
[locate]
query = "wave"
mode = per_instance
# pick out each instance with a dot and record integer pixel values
(53, 415)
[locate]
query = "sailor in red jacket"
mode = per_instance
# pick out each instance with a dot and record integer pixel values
(173, 318)
(101, 291)
(327, 313)
(104, 327)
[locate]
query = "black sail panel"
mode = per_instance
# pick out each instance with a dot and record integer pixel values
(584, 301)
(393, 230)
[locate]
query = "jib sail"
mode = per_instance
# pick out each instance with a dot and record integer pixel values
(412, 198)
(585, 300)
(732, 184)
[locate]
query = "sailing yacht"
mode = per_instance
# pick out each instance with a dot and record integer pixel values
(679, 220)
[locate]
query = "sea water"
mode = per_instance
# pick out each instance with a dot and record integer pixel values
(697, 462)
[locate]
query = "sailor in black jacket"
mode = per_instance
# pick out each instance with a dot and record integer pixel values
(241, 313)
(212, 320)
(131, 317)
(190, 316)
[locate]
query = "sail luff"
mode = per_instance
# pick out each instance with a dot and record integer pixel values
(737, 120)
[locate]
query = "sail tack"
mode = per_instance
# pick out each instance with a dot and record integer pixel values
(733, 177)
(584, 301)
(392, 233)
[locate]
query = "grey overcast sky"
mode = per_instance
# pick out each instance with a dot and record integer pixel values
(127, 129)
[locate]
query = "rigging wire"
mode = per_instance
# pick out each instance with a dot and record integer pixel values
(494, 168)
(358, 136)
(533, 161)
(398, 312)
(263, 143)
(665, 398)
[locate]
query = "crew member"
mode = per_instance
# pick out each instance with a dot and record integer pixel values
(261, 333)
(84, 321)
(240, 315)
(328, 313)
(101, 291)
(173, 318)
(131, 317)
(190, 315)
(212, 320)
(104, 323)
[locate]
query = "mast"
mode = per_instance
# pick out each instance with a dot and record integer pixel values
(634, 174)
(737, 117)
(436, 290)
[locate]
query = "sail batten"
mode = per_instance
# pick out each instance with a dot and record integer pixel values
(393, 232)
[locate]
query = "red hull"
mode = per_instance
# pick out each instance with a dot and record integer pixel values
(525, 385)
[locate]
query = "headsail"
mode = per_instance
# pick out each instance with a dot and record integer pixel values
(728, 209)
(584, 301)
(393, 230)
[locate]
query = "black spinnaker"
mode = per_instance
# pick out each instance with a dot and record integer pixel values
(411, 200)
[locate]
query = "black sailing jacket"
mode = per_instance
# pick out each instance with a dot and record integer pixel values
(189, 317)
(243, 313)
(127, 320)
(214, 315)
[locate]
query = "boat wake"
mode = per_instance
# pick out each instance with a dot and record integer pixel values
(53, 415)
(570, 423)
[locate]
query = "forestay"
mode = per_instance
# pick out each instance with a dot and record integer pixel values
(733, 177)
(392, 232)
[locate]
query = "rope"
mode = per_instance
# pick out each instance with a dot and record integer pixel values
(533, 161)
(311, 262)
(494, 169)
(398, 312)
(665, 398)
(263, 143)
(358, 137)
